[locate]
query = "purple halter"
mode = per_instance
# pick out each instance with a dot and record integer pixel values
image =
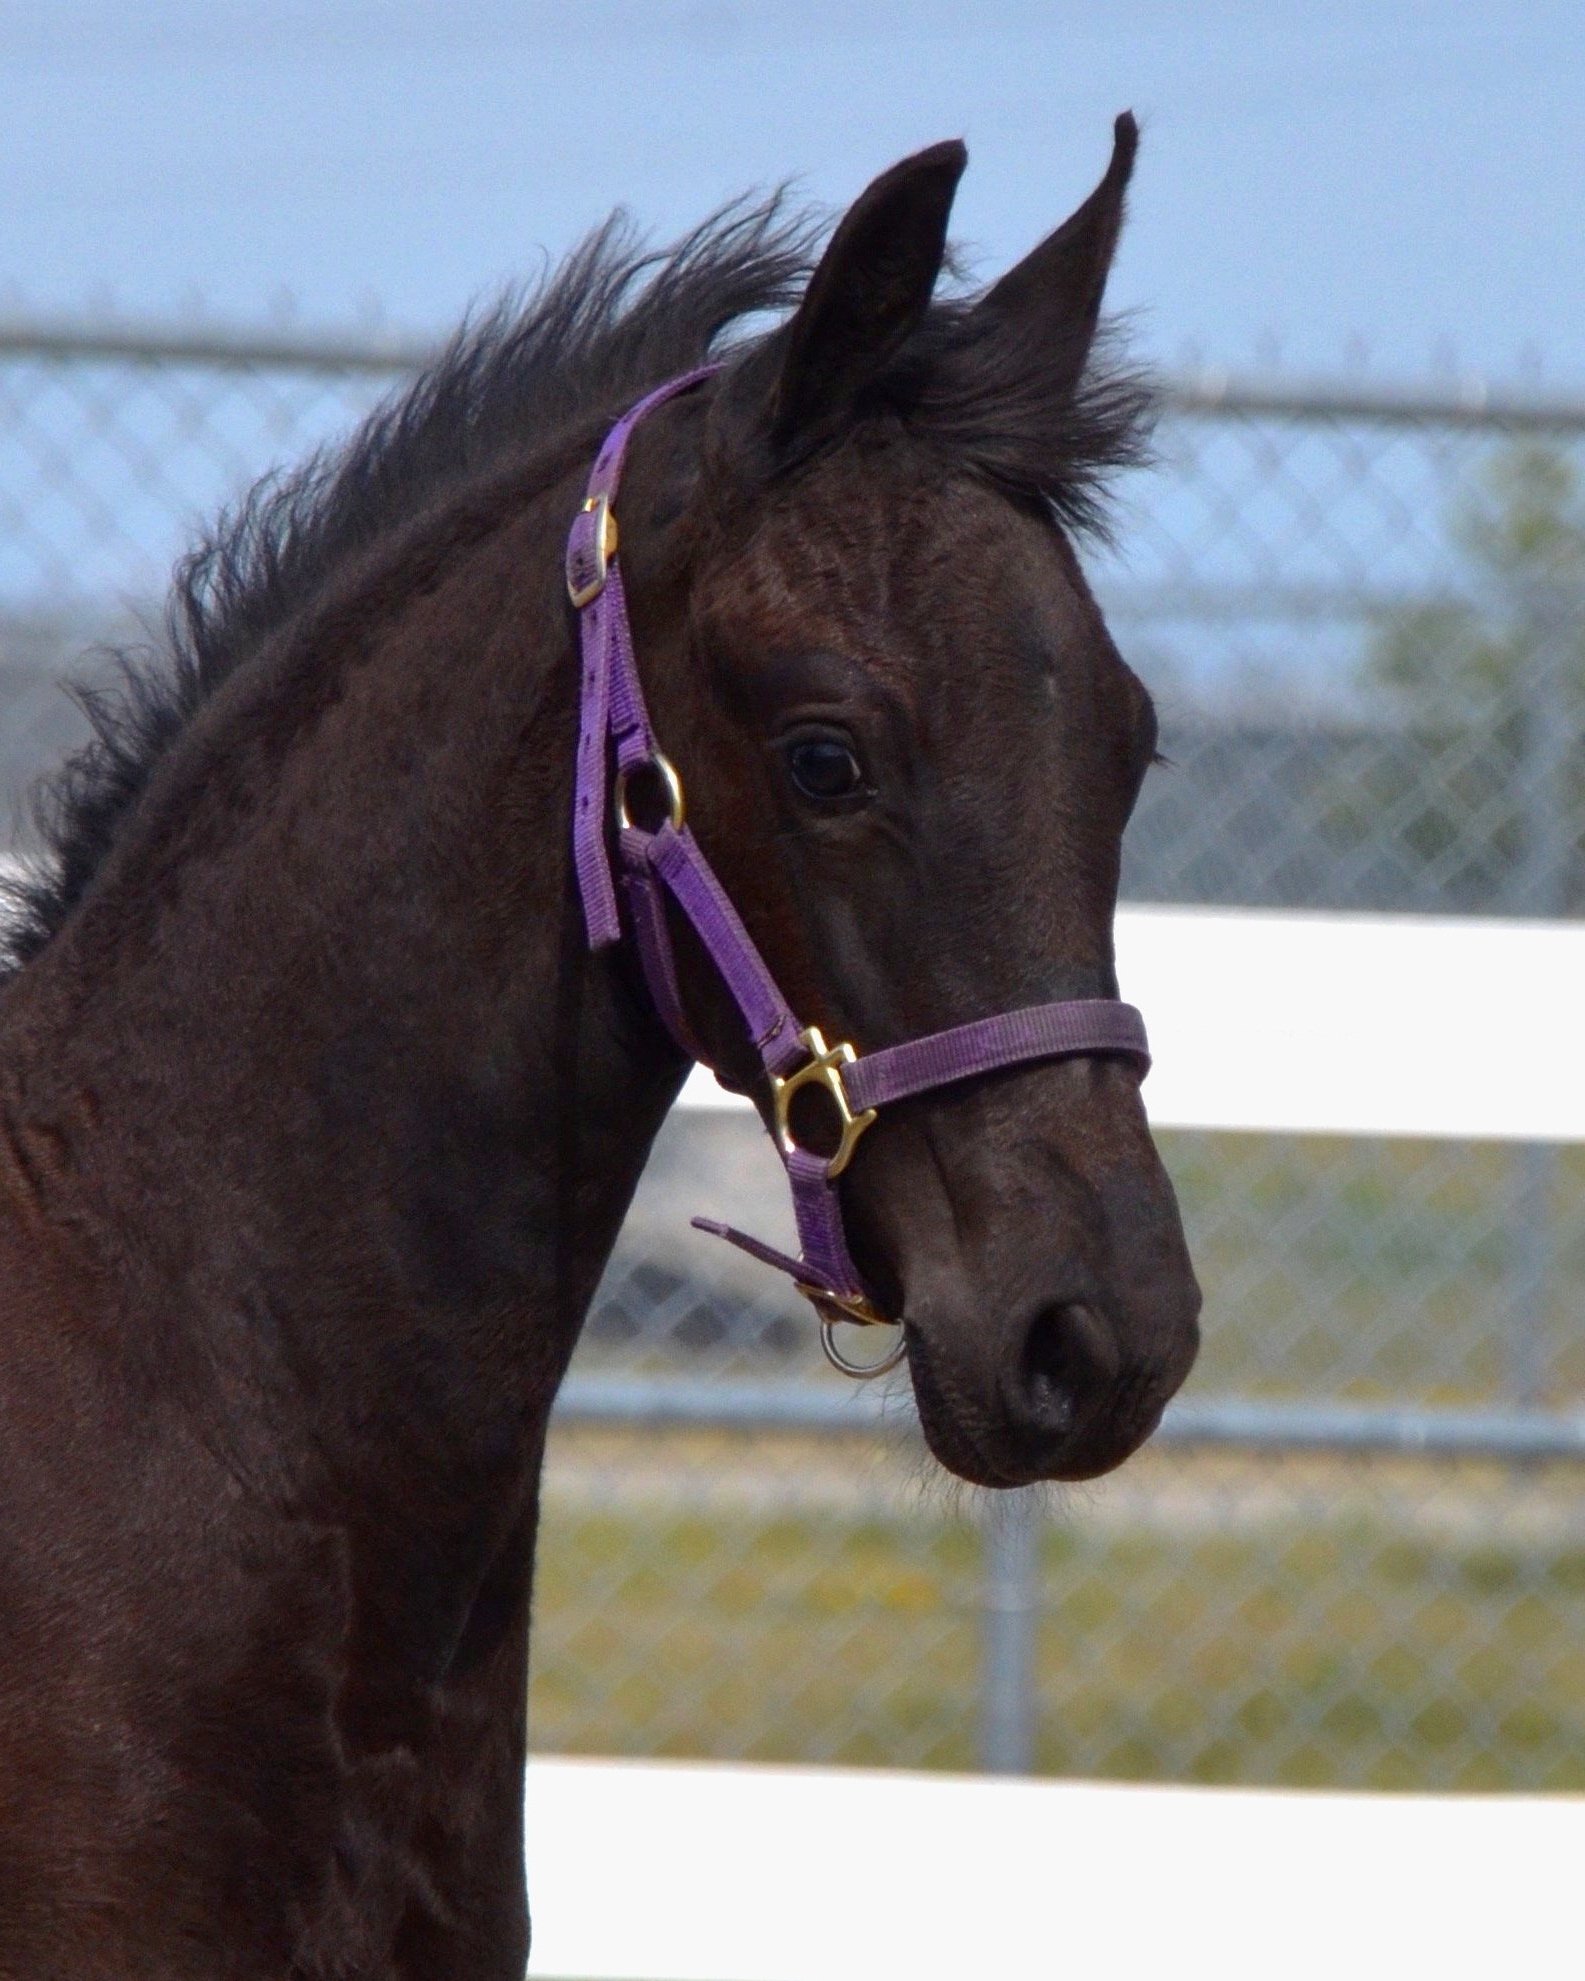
(668, 861)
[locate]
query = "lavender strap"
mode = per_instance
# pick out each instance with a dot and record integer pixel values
(826, 1266)
(611, 700)
(646, 905)
(1041, 1031)
(817, 1206)
(756, 1248)
(676, 857)
(613, 710)
(590, 798)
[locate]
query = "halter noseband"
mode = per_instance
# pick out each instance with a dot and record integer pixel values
(667, 861)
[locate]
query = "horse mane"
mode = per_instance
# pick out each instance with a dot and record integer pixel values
(614, 318)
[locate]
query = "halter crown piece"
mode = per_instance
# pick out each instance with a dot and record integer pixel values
(667, 861)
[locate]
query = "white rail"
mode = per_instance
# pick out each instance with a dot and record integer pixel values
(1341, 1024)
(668, 1871)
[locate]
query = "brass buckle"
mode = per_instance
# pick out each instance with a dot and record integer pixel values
(666, 771)
(854, 1307)
(598, 506)
(823, 1069)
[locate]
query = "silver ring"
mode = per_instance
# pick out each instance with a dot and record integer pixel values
(860, 1371)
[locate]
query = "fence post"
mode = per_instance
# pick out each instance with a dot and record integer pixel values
(1548, 706)
(1010, 1608)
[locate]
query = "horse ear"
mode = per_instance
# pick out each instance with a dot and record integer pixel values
(1055, 292)
(869, 292)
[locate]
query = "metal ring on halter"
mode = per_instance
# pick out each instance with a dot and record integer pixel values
(860, 1371)
(671, 784)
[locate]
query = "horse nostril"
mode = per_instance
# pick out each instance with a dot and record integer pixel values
(1068, 1364)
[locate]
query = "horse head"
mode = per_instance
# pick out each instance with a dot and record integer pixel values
(911, 748)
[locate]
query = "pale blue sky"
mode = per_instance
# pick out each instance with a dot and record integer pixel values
(1409, 175)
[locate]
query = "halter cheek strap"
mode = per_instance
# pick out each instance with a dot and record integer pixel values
(665, 863)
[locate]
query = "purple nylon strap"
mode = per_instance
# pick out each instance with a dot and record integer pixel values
(1042, 1031)
(825, 1266)
(691, 882)
(667, 863)
(612, 701)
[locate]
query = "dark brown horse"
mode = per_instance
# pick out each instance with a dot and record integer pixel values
(318, 1119)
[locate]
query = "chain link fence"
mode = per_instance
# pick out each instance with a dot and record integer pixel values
(1357, 1553)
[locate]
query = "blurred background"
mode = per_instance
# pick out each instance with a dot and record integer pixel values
(1356, 584)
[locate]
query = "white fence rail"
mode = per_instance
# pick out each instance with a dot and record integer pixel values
(700, 1873)
(1342, 1024)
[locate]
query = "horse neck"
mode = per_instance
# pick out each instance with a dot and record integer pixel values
(339, 1094)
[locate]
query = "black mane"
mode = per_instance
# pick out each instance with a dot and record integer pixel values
(612, 319)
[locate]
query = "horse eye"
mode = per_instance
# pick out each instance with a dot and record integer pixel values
(823, 768)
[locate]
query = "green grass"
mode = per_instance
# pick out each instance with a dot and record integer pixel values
(1372, 1268)
(1309, 1651)
(1269, 1620)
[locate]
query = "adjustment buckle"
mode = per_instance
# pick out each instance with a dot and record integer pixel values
(823, 1069)
(599, 544)
(856, 1308)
